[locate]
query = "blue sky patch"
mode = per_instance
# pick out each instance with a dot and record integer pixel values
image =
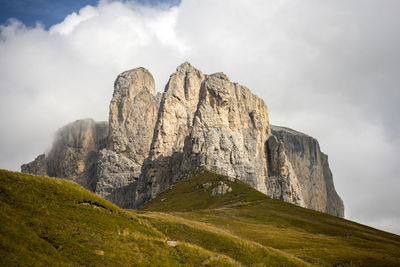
(48, 12)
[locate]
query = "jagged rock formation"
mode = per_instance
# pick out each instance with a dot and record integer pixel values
(312, 169)
(175, 118)
(38, 166)
(133, 114)
(201, 121)
(207, 121)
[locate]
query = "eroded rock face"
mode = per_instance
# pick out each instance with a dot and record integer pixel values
(38, 166)
(282, 182)
(221, 127)
(175, 119)
(107, 157)
(312, 169)
(133, 114)
(230, 129)
(74, 151)
(177, 108)
(200, 121)
(116, 177)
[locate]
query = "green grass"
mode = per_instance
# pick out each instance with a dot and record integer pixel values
(53, 222)
(189, 194)
(244, 213)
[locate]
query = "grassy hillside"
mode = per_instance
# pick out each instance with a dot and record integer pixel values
(314, 237)
(47, 221)
(53, 222)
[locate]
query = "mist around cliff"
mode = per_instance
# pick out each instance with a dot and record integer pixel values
(329, 69)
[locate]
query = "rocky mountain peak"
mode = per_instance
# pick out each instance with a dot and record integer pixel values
(200, 121)
(220, 75)
(133, 109)
(132, 82)
(184, 67)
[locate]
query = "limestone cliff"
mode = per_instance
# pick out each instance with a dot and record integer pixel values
(73, 154)
(312, 169)
(175, 119)
(132, 118)
(200, 120)
(133, 113)
(207, 121)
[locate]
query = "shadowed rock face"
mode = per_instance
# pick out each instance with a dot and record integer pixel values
(38, 166)
(312, 169)
(282, 182)
(199, 121)
(74, 153)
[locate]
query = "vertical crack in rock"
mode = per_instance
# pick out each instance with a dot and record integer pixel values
(174, 122)
(283, 182)
(133, 114)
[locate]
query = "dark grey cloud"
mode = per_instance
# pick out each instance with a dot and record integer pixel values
(328, 68)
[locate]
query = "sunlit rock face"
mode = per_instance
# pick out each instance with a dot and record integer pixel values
(208, 121)
(132, 118)
(174, 123)
(133, 114)
(200, 120)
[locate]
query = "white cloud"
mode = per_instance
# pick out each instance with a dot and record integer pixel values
(328, 68)
(73, 20)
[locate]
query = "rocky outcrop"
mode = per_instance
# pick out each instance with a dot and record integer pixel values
(282, 182)
(229, 135)
(207, 121)
(116, 177)
(133, 114)
(175, 119)
(229, 132)
(200, 121)
(107, 158)
(74, 151)
(312, 169)
(221, 189)
(38, 166)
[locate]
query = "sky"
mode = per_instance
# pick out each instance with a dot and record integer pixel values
(330, 69)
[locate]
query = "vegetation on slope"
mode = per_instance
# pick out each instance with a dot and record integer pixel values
(48, 221)
(244, 213)
(54, 222)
